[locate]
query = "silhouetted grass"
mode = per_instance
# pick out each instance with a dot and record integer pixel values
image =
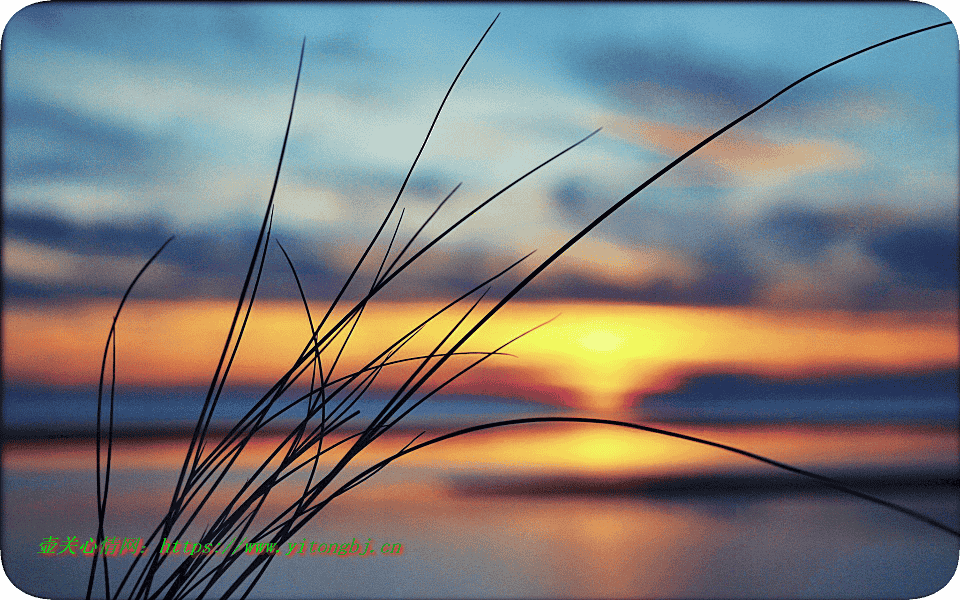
(331, 403)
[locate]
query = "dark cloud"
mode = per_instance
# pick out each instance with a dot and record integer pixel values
(910, 385)
(116, 27)
(76, 146)
(685, 67)
(102, 238)
(573, 197)
(207, 265)
(213, 263)
(238, 27)
(218, 42)
(927, 396)
(801, 232)
(727, 278)
(40, 228)
(574, 286)
(922, 255)
(16, 292)
(685, 77)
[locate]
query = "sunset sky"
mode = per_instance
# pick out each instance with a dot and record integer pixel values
(790, 290)
(818, 237)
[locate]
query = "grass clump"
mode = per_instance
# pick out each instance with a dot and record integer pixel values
(204, 493)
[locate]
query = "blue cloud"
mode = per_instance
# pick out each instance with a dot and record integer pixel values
(574, 199)
(801, 232)
(728, 86)
(76, 146)
(922, 255)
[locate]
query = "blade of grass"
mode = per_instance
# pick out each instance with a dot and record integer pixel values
(104, 473)
(827, 481)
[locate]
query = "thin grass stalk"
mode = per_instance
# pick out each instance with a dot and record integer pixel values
(827, 481)
(105, 476)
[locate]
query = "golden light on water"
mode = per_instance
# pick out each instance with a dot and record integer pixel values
(560, 449)
(607, 450)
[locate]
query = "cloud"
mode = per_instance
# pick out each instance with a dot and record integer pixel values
(841, 277)
(924, 255)
(801, 232)
(101, 238)
(40, 271)
(790, 257)
(577, 200)
(715, 394)
(48, 18)
(53, 257)
(748, 155)
(689, 79)
(212, 263)
(863, 259)
(678, 64)
(48, 141)
(726, 277)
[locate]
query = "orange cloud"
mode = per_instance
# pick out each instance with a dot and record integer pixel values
(742, 152)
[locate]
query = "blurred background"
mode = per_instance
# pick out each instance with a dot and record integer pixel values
(791, 289)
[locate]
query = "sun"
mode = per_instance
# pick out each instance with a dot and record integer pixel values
(602, 340)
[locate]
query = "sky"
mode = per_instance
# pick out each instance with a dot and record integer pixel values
(125, 124)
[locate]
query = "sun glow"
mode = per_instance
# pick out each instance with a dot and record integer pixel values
(594, 356)
(602, 341)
